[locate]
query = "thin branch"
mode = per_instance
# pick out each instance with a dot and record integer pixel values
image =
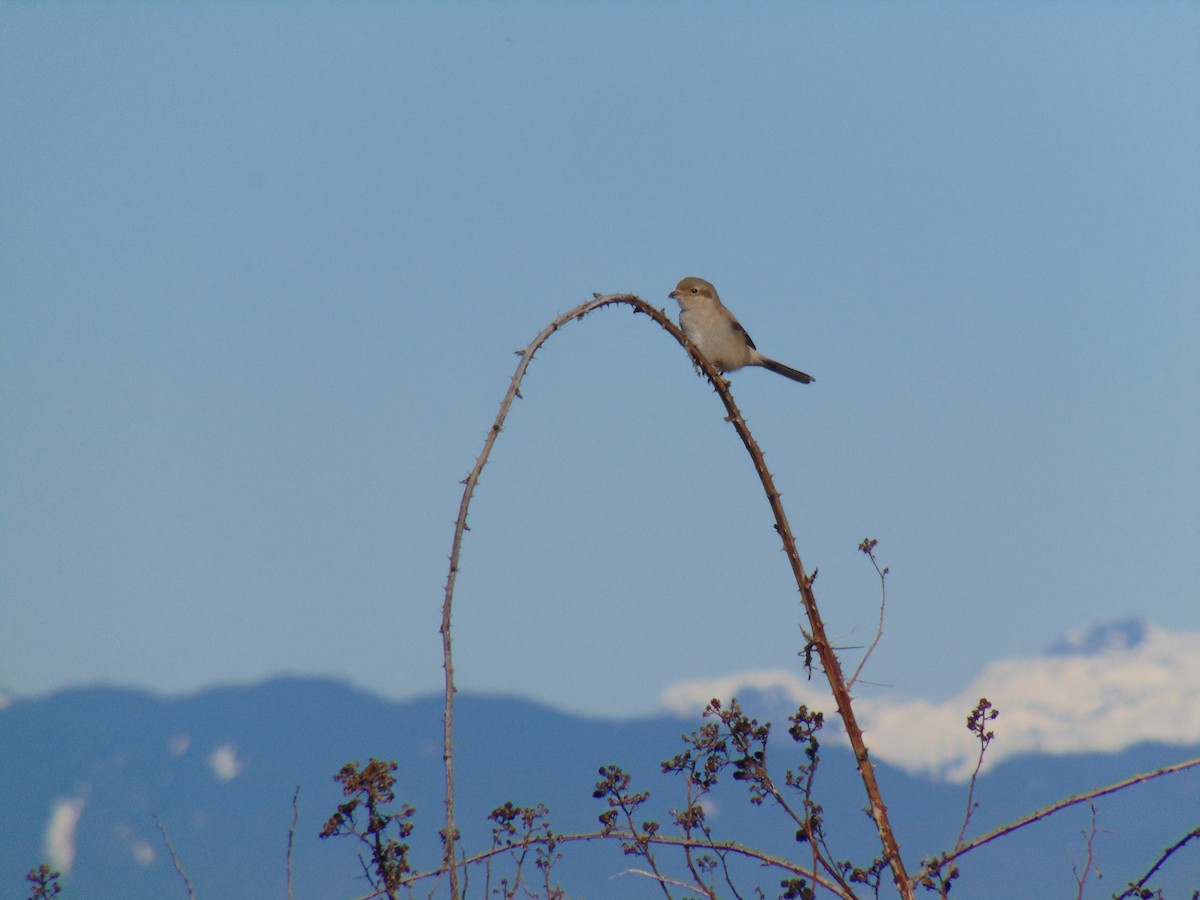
(699, 885)
(868, 547)
(162, 829)
(687, 851)
(977, 722)
(450, 833)
(664, 880)
(803, 823)
(729, 847)
(614, 789)
(1064, 804)
(1090, 842)
(292, 838)
(1141, 883)
(962, 832)
(820, 642)
(706, 830)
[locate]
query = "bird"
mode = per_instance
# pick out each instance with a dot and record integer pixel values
(714, 331)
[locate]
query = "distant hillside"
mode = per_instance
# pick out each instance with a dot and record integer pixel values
(219, 768)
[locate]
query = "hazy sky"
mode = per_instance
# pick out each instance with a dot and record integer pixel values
(263, 268)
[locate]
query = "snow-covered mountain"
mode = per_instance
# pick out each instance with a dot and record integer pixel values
(1100, 689)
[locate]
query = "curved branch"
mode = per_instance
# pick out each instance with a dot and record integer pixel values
(764, 859)
(450, 833)
(829, 660)
(1058, 807)
(1166, 854)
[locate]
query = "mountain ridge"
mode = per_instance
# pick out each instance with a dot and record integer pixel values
(1102, 688)
(219, 768)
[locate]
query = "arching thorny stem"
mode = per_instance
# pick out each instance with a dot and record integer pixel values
(819, 641)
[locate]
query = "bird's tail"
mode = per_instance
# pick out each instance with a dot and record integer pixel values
(785, 371)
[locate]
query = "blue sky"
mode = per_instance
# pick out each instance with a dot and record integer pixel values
(263, 268)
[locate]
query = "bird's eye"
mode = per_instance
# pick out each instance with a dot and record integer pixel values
(695, 290)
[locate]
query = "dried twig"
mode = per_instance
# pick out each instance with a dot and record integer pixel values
(664, 880)
(730, 847)
(292, 838)
(1089, 838)
(868, 547)
(1136, 887)
(1064, 804)
(977, 721)
(162, 829)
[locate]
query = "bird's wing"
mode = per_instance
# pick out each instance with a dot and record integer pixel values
(737, 326)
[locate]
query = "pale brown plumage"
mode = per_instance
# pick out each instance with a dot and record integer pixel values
(718, 335)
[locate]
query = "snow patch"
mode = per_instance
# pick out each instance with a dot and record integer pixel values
(1100, 689)
(59, 839)
(225, 764)
(143, 853)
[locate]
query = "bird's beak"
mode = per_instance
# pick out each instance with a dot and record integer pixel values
(674, 295)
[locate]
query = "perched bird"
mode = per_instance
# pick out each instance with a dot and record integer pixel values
(718, 335)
